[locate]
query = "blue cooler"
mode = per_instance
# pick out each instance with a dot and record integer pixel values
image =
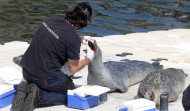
(11, 77)
(86, 96)
(139, 105)
(7, 93)
(82, 102)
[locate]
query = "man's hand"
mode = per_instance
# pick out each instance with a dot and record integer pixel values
(89, 53)
(75, 65)
(85, 39)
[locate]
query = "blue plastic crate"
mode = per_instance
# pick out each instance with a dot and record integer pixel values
(153, 109)
(78, 102)
(140, 104)
(123, 109)
(15, 86)
(126, 109)
(7, 98)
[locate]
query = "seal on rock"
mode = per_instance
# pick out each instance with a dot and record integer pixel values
(169, 80)
(117, 76)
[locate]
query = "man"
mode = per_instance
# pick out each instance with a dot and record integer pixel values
(54, 44)
(186, 99)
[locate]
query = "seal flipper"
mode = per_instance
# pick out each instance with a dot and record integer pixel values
(121, 87)
(124, 89)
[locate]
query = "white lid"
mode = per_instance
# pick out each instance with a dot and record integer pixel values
(10, 74)
(93, 90)
(5, 88)
(17, 81)
(138, 103)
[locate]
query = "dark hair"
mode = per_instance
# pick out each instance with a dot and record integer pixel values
(80, 15)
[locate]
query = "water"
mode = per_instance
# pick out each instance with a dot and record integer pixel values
(19, 19)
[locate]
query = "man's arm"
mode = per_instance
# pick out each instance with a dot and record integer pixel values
(76, 65)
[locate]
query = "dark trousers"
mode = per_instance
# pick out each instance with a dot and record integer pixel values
(186, 99)
(55, 90)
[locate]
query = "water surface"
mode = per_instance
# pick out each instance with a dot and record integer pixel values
(19, 19)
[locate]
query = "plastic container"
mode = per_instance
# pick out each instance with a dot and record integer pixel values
(103, 97)
(7, 94)
(86, 96)
(139, 105)
(79, 102)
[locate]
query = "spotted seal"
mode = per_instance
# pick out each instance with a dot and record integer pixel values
(169, 80)
(64, 69)
(117, 76)
(17, 60)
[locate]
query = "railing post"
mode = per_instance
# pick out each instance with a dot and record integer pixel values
(164, 101)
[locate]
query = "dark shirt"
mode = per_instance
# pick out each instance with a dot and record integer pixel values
(53, 43)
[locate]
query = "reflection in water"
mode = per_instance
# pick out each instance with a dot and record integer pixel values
(19, 19)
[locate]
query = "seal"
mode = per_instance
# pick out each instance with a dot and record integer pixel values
(170, 80)
(117, 76)
(17, 60)
(64, 68)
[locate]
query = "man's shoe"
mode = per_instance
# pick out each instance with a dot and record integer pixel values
(18, 100)
(34, 96)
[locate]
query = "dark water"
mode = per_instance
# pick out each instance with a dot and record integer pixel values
(19, 19)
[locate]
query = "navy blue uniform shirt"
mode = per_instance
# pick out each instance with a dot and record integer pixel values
(52, 45)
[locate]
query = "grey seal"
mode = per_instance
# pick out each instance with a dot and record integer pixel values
(17, 60)
(64, 68)
(171, 81)
(117, 76)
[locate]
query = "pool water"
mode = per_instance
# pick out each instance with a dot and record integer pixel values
(19, 19)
